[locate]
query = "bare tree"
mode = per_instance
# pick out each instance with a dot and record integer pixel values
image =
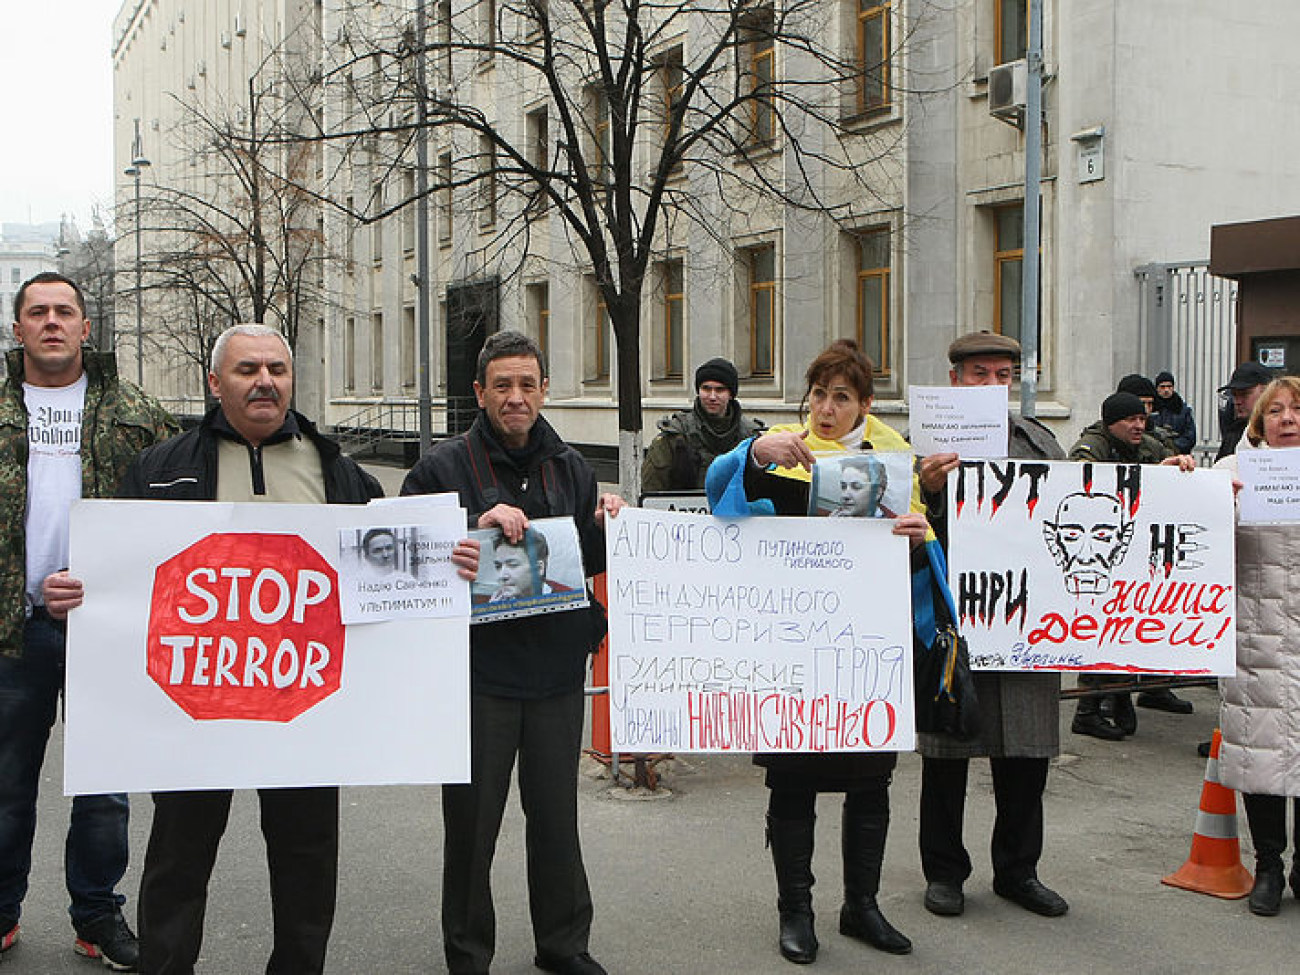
(655, 112)
(233, 229)
(89, 262)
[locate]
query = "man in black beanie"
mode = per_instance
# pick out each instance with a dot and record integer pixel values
(1173, 413)
(1120, 437)
(689, 440)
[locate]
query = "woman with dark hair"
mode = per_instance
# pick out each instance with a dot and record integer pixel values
(773, 474)
(1260, 753)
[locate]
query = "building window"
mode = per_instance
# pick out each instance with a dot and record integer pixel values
(408, 347)
(1011, 29)
(539, 148)
(760, 263)
(672, 77)
(409, 212)
(873, 330)
(538, 300)
(442, 33)
(350, 355)
(1008, 268)
(487, 25)
(377, 228)
(444, 199)
(377, 351)
(873, 55)
(598, 113)
(596, 340)
(487, 183)
(350, 240)
(669, 342)
(758, 42)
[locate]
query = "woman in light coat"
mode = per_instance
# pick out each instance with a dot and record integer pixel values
(1260, 754)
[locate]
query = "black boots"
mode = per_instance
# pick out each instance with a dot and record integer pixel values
(1266, 895)
(1088, 720)
(864, 853)
(791, 841)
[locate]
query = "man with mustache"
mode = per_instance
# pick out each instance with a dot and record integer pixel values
(250, 447)
(68, 428)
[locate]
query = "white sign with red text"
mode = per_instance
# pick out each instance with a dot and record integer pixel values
(211, 653)
(758, 635)
(1120, 568)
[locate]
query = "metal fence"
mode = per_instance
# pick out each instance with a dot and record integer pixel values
(1187, 323)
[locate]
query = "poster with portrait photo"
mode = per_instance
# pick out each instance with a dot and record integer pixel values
(540, 573)
(870, 484)
(389, 572)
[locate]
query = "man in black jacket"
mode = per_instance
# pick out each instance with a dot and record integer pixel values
(527, 675)
(250, 447)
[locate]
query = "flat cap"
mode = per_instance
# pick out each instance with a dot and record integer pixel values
(983, 343)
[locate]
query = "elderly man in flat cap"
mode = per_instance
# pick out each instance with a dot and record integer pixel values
(1018, 711)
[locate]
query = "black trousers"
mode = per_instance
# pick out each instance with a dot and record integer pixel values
(1266, 816)
(301, 829)
(1017, 844)
(546, 735)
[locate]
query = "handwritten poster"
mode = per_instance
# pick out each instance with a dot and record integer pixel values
(970, 421)
(1270, 492)
(213, 649)
(1105, 567)
(758, 635)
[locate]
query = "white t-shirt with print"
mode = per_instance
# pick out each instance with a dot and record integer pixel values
(53, 476)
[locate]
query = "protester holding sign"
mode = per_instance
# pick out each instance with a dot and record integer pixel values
(68, 428)
(1019, 712)
(775, 468)
(527, 674)
(250, 447)
(1121, 437)
(1260, 754)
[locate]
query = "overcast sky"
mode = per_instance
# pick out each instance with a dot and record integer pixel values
(56, 124)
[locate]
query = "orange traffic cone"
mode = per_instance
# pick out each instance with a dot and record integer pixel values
(1214, 866)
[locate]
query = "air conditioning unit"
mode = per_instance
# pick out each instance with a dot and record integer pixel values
(1007, 87)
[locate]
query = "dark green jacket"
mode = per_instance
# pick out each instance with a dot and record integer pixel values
(1097, 444)
(118, 422)
(679, 457)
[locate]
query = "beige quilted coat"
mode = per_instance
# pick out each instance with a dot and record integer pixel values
(1260, 716)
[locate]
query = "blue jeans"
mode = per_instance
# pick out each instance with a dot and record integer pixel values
(96, 852)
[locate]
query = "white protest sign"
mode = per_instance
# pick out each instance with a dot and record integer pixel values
(970, 421)
(210, 653)
(758, 635)
(695, 502)
(1270, 492)
(1107, 567)
(390, 572)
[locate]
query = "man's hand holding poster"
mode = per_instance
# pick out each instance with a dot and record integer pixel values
(213, 652)
(1107, 567)
(759, 635)
(539, 572)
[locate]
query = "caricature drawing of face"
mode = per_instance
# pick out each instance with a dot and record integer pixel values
(1088, 539)
(862, 486)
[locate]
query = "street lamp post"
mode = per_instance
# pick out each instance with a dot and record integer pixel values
(138, 165)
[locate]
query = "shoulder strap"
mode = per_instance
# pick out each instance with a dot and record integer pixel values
(480, 464)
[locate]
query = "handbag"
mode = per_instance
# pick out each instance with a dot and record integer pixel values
(946, 701)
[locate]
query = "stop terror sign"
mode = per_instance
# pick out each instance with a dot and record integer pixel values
(246, 626)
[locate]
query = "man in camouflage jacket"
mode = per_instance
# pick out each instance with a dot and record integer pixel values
(108, 422)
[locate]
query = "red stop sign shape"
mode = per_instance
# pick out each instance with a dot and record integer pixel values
(246, 626)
